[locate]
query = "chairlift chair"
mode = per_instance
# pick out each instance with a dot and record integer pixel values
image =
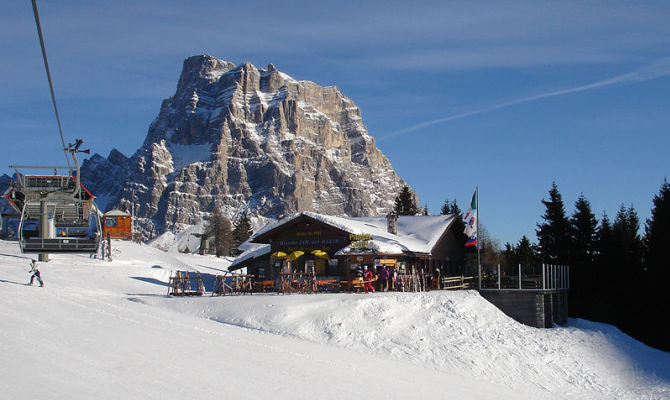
(72, 227)
(72, 218)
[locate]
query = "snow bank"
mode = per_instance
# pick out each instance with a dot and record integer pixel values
(458, 333)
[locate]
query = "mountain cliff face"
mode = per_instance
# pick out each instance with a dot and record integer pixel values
(246, 140)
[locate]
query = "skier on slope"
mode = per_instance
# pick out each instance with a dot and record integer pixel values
(35, 273)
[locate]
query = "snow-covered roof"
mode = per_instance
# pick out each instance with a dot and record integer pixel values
(249, 251)
(416, 234)
(117, 213)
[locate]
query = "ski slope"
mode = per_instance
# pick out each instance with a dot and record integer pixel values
(107, 330)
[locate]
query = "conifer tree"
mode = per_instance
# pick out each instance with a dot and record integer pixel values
(446, 208)
(657, 236)
(625, 267)
(525, 255)
(657, 269)
(600, 308)
(220, 229)
(628, 244)
(522, 253)
(508, 255)
(604, 243)
(405, 202)
(553, 235)
(583, 232)
(583, 226)
(242, 231)
(458, 226)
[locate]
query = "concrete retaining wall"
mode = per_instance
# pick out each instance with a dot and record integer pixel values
(538, 308)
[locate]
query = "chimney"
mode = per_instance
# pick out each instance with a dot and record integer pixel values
(392, 223)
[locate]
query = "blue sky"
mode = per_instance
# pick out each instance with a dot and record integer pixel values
(507, 96)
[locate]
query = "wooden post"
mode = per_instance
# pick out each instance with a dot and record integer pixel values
(109, 246)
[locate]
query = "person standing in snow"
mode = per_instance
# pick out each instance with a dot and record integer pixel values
(367, 279)
(35, 273)
(384, 279)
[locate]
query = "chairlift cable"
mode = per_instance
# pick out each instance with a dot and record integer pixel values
(51, 88)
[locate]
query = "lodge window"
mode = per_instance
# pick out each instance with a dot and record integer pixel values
(110, 222)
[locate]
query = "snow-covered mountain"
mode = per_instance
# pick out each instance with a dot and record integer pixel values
(247, 140)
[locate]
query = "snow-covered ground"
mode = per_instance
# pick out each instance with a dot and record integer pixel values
(107, 330)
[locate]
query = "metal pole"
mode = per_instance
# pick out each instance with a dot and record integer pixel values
(479, 261)
(519, 276)
(132, 216)
(568, 286)
(498, 276)
(44, 228)
(553, 273)
(544, 277)
(562, 277)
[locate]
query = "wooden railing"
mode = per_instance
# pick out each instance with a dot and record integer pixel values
(457, 282)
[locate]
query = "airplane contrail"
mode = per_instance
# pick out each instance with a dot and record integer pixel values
(655, 70)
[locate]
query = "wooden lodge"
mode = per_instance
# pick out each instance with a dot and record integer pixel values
(334, 248)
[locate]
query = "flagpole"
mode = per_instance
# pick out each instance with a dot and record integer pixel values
(479, 263)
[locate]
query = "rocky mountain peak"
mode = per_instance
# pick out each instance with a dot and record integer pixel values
(247, 140)
(201, 70)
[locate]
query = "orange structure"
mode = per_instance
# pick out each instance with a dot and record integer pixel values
(117, 224)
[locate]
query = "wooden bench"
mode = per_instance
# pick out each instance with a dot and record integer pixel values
(352, 285)
(328, 285)
(264, 286)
